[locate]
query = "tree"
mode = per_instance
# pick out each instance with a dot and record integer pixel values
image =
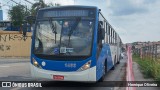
(36, 6)
(17, 14)
(133, 47)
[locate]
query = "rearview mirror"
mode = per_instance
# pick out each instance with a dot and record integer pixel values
(101, 30)
(102, 33)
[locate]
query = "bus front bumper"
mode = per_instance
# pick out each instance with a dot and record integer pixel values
(86, 75)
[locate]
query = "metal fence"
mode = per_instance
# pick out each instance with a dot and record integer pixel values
(151, 52)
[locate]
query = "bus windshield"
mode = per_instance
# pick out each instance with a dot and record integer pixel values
(64, 36)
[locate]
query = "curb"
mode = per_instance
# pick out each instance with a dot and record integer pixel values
(129, 69)
(11, 60)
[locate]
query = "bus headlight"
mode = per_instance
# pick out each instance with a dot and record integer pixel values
(85, 66)
(35, 63)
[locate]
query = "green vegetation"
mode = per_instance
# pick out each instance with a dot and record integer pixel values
(19, 13)
(150, 68)
(36, 6)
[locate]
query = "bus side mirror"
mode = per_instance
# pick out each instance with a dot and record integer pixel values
(102, 33)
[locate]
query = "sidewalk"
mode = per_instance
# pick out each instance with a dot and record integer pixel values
(139, 77)
(13, 60)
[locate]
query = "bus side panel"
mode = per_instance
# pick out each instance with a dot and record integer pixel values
(105, 54)
(117, 50)
(110, 60)
(113, 49)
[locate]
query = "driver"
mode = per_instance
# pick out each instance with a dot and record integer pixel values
(66, 28)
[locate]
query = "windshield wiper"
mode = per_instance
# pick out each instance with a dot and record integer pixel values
(73, 28)
(53, 26)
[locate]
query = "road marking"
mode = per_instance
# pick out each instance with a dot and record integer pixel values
(12, 65)
(16, 88)
(4, 66)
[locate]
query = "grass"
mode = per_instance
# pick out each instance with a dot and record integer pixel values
(149, 68)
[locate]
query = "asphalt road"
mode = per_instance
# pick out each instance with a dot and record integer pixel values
(20, 71)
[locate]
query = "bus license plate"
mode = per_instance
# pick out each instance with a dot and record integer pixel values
(58, 77)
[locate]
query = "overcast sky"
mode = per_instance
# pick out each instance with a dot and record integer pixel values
(134, 20)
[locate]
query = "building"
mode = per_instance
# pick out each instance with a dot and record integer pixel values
(4, 25)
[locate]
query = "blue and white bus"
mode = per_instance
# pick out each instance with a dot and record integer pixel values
(73, 43)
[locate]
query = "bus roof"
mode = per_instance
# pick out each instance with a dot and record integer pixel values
(69, 6)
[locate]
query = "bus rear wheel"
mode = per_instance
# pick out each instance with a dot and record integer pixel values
(119, 60)
(114, 64)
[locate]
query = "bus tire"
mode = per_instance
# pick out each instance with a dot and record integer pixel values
(119, 60)
(104, 72)
(114, 64)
